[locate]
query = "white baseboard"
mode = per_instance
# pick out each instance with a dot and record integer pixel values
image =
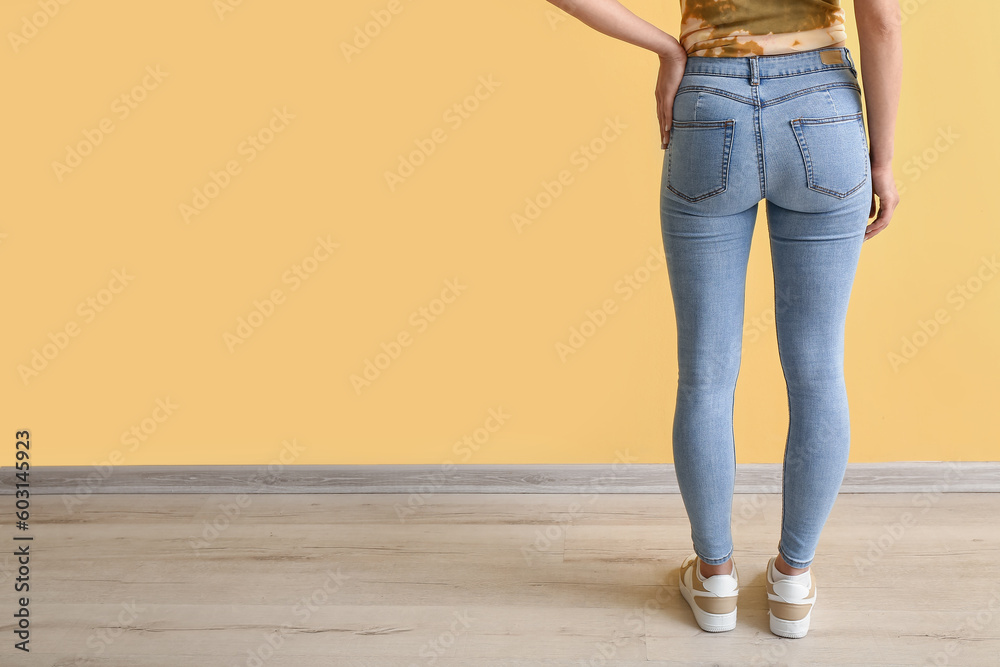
(895, 477)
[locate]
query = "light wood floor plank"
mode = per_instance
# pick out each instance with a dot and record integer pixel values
(543, 580)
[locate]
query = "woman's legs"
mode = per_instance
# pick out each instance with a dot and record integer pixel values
(814, 258)
(707, 264)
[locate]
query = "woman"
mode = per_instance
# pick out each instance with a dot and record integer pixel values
(760, 100)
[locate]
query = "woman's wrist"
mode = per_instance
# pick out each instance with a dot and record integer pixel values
(672, 52)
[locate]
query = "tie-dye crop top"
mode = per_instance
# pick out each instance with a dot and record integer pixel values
(763, 27)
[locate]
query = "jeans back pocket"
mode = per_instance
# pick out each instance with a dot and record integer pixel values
(834, 153)
(698, 157)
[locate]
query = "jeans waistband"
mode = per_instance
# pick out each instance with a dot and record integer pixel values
(756, 67)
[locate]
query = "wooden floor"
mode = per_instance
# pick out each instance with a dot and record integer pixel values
(488, 581)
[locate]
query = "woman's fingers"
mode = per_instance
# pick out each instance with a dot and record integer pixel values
(884, 187)
(659, 114)
(663, 120)
(668, 80)
(880, 223)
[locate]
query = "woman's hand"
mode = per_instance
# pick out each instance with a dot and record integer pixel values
(667, 82)
(884, 186)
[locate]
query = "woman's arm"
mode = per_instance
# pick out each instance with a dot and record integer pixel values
(613, 19)
(880, 35)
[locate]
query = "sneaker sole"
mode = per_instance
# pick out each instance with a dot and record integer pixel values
(707, 621)
(789, 629)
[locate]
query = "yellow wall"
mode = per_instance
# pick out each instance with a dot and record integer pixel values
(286, 391)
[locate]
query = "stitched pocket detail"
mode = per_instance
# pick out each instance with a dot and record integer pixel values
(698, 157)
(834, 153)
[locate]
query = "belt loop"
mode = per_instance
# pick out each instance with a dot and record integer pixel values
(850, 60)
(754, 70)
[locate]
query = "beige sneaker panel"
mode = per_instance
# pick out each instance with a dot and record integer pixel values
(714, 605)
(788, 612)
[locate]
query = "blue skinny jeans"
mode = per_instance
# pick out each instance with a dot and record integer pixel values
(788, 129)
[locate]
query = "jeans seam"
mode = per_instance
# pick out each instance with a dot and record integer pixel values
(823, 87)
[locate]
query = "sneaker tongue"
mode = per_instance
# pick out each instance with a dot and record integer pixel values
(720, 584)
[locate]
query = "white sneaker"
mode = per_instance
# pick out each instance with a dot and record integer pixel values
(713, 599)
(790, 602)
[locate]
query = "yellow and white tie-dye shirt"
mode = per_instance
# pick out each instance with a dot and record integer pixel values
(739, 28)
